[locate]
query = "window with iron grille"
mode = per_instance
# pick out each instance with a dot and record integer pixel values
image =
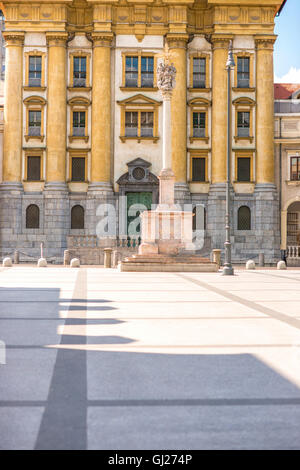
(199, 72)
(35, 71)
(131, 124)
(199, 169)
(33, 168)
(244, 169)
(244, 218)
(34, 128)
(79, 123)
(243, 74)
(295, 168)
(32, 216)
(131, 72)
(243, 124)
(78, 169)
(199, 124)
(79, 72)
(146, 124)
(77, 217)
(147, 64)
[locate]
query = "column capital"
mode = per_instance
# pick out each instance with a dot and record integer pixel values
(221, 41)
(177, 41)
(57, 38)
(102, 39)
(13, 38)
(265, 41)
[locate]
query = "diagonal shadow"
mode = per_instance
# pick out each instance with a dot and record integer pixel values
(64, 422)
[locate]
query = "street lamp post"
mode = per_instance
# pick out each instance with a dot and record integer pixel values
(228, 269)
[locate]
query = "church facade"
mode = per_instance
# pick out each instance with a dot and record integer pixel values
(83, 118)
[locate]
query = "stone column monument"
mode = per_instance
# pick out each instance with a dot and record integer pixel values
(167, 231)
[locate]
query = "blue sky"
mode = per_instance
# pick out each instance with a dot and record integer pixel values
(287, 46)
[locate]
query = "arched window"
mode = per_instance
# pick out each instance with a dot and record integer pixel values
(77, 217)
(32, 216)
(244, 218)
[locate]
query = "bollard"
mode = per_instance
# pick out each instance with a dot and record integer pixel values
(107, 257)
(250, 264)
(7, 263)
(67, 258)
(42, 263)
(216, 257)
(75, 263)
(16, 257)
(261, 259)
(281, 265)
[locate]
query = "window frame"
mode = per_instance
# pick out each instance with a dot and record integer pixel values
(73, 157)
(243, 155)
(242, 55)
(139, 103)
(78, 153)
(298, 167)
(237, 219)
(195, 157)
(35, 53)
(139, 55)
(35, 103)
(29, 155)
(244, 105)
(77, 105)
(199, 105)
(84, 216)
(72, 55)
(199, 55)
(39, 217)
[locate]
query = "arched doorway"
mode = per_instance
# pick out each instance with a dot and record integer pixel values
(293, 234)
(137, 188)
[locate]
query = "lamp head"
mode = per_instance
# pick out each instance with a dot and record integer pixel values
(230, 64)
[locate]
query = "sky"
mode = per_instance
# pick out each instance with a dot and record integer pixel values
(287, 46)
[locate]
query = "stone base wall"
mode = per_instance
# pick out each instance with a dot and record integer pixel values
(55, 222)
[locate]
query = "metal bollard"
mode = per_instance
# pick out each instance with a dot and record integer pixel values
(16, 257)
(261, 259)
(216, 257)
(67, 258)
(107, 257)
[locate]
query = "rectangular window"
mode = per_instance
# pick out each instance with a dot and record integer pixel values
(79, 123)
(35, 71)
(244, 169)
(34, 128)
(243, 124)
(199, 73)
(199, 124)
(295, 168)
(199, 169)
(131, 124)
(79, 72)
(78, 169)
(147, 64)
(131, 72)
(147, 124)
(243, 74)
(33, 168)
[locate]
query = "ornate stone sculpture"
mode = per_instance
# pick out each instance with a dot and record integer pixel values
(166, 74)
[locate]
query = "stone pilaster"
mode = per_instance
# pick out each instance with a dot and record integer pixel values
(101, 113)
(177, 45)
(219, 107)
(264, 110)
(12, 155)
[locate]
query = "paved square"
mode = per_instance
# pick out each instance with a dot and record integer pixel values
(97, 359)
